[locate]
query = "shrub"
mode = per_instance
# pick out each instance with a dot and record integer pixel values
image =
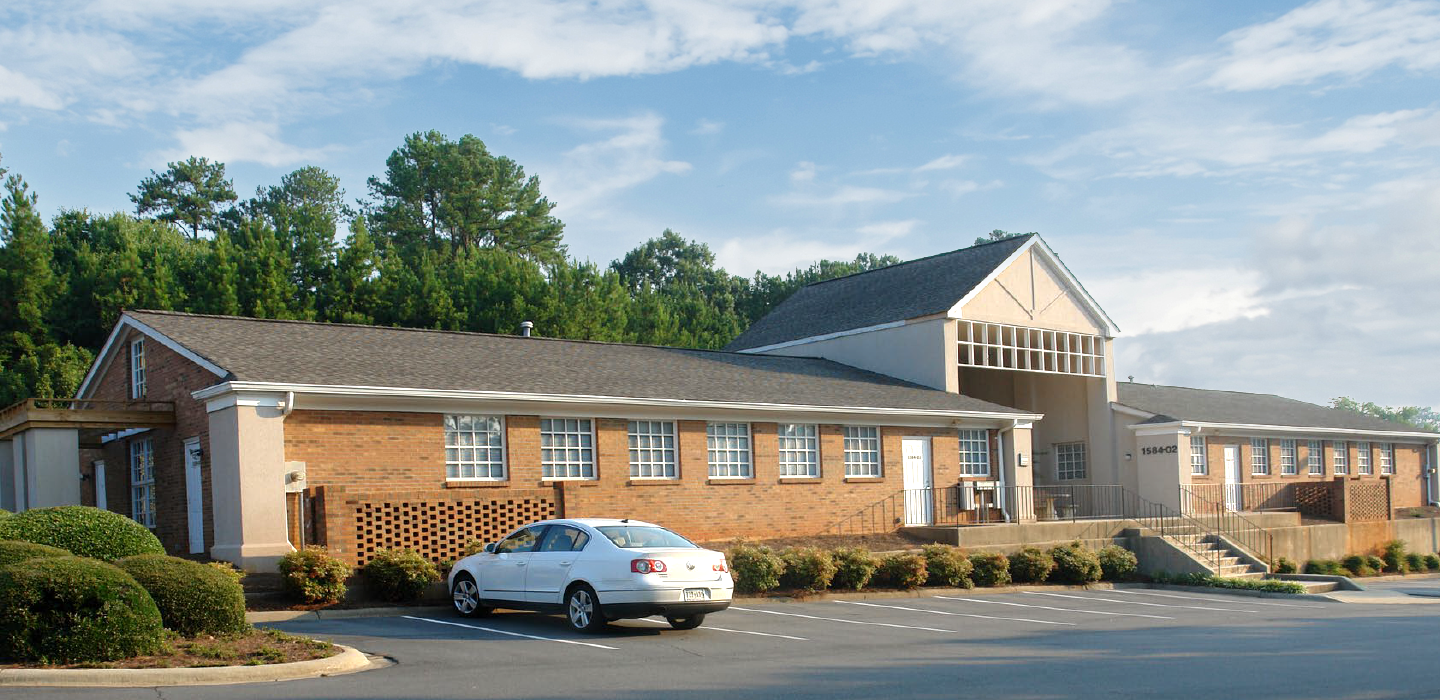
(1375, 563)
(228, 569)
(311, 575)
(12, 551)
(193, 598)
(1285, 566)
(807, 569)
(1031, 565)
(72, 609)
(473, 547)
(399, 575)
(83, 531)
(902, 570)
(1357, 565)
(1117, 563)
(854, 567)
(1394, 557)
(1432, 562)
(1414, 562)
(1328, 567)
(756, 568)
(1075, 563)
(989, 569)
(1212, 581)
(946, 566)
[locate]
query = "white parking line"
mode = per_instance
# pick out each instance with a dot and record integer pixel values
(724, 629)
(947, 612)
(512, 634)
(848, 622)
(1138, 602)
(1192, 597)
(1051, 607)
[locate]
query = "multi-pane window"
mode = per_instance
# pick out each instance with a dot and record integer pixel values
(1070, 461)
(1288, 465)
(799, 450)
(142, 481)
(474, 447)
(1198, 462)
(567, 448)
(974, 453)
(1362, 458)
(1259, 455)
(862, 451)
(1030, 349)
(1341, 451)
(1315, 458)
(1387, 458)
(652, 449)
(729, 448)
(137, 368)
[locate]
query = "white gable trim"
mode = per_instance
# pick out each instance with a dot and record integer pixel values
(110, 348)
(1281, 430)
(1039, 244)
(827, 336)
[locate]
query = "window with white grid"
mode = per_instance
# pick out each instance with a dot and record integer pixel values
(142, 481)
(1288, 464)
(474, 448)
(1199, 463)
(1315, 457)
(1362, 458)
(1387, 458)
(567, 448)
(1341, 451)
(652, 449)
(729, 448)
(974, 453)
(799, 450)
(1259, 455)
(1070, 461)
(137, 368)
(862, 451)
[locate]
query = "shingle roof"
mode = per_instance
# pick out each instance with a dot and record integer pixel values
(1171, 403)
(908, 290)
(296, 352)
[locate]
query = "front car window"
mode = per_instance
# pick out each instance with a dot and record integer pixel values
(639, 536)
(522, 541)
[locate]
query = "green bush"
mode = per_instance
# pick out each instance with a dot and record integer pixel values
(228, 569)
(1327, 567)
(1414, 562)
(854, 568)
(12, 551)
(83, 531)
(1285, 566)
(946, 566)
(755, 568)
(1031, 565)
(1244, 584)
(472, 547)
(399, 575)
(1394, 557)
(311, 575)
(72, 609)
(807, 569)
(193, 598)
(1075, 563)
(1375, 563)
(989, 569)
(1357, 565)
(1117, 563)
(903, 570)
(1432, 562)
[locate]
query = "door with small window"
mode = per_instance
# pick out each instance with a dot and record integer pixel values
(919, 491)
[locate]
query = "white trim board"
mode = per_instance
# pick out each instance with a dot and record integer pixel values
(1276, 430)
(1037, 243)
(108, 350)
(827, 336)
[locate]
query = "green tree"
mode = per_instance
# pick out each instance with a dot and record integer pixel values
(28, 284)
(305, 210)
(189, 193)
(350, 295)
(998, 235)
(1420, 417)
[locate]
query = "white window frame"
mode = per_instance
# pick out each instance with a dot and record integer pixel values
(1289, 457)
(1363, 465)
(142, 481)
(974, 452)
(799, 448)
(653, 453)
(1002, 346)
(137, 368)
(1387, 458)
(1199, 460)
(862, 451)
(1315, 457)
(464, 450)
(1340, 457)
(1260, 456)
(574, 441)
(1071, 462)
(728, 450)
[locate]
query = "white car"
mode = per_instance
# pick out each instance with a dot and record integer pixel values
(595, 571)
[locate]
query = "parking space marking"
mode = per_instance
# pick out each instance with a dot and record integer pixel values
(1140, 602)
(957, 614)
(1193, 597)
(848, 622)
(512, 634)
(726, 629)
(1051, 607)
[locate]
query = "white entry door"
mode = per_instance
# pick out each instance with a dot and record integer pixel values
(919, 494)
(100, 500)
(1232, 477)
(194, 496)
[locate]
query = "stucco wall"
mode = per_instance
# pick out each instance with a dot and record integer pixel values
(916, 352)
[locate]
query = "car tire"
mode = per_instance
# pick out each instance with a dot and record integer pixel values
(582, 610)
(689, 622)
(465, 596)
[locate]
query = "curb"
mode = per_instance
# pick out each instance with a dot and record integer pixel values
(340, 614)
(916, 593)
(347, 661)
(1240, 592)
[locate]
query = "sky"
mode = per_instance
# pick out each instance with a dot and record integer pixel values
(1250, 189)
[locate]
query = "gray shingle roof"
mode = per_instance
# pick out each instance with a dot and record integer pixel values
(1171, 403)
(295, 352)
(908, 290)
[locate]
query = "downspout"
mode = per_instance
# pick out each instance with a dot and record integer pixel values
(1432, 456)
(299, 495)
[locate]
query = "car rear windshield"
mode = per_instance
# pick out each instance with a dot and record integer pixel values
(636, 537)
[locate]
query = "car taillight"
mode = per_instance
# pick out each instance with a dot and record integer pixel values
(647, 566)
(719, 567)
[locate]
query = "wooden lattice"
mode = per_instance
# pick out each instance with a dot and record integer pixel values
(1367, 501)
(439, 529)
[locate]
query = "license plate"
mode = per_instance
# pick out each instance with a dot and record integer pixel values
(697, 594)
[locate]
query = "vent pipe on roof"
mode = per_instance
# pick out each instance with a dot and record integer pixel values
(525, 327)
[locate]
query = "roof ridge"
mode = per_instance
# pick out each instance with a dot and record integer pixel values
(922, 259)
(1228, 391)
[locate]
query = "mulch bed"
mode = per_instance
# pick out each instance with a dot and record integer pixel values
(253, 648)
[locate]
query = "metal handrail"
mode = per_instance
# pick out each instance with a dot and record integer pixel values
(856, 522)
(1245, 532)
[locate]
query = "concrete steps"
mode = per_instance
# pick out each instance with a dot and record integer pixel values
(1215, 555)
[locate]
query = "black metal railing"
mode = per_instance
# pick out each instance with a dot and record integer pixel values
(982, 503)
(1250, 497)
(1219, 518)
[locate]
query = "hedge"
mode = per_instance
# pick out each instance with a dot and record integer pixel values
(1031, 565)
(311, 575)
(989, 569)
(1075, 563)
(946, 566)
(193, 598)
(72, 609)
(1244, 584)
(854, 568)
(1117, 563)
(83, 531)
(807, 569)
(12, 551)
(904, 570)
(755, 568)
(399, 575)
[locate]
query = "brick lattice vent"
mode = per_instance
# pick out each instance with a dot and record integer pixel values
(1368, 501)
(438, 528)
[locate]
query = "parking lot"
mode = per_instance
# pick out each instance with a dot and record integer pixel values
(1113, 643)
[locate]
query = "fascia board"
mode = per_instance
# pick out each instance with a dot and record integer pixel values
(1273, 430)
(127, 321)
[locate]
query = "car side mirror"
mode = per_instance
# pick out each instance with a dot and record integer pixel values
(490, 548)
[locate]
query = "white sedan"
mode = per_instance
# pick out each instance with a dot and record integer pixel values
(594, 570)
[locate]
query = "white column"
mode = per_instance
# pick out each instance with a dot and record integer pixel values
(1159, 467)
(247, 478)
(7, 475)
(45, 468)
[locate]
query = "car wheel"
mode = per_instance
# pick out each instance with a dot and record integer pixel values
(466, 596)
(582, 609)
(689, 622)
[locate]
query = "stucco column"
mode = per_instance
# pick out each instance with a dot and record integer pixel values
(247, 476)
(1159, 468)
(1019, 465)
(7, 475)
(45, 468)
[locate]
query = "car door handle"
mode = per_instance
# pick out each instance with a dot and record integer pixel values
(564, 563)
(519, 563)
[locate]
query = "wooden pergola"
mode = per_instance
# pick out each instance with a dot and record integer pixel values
(91, 417)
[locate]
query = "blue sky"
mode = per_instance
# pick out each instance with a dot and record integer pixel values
(1251, 189)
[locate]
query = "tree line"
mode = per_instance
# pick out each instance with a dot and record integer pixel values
(449, 237)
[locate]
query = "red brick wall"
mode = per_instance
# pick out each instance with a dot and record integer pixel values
(1407, 484)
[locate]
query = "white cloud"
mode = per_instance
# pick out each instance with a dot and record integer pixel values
(945, 162)
(804, 172)
(784, 250)
(960, 188)
(591, 172)
(240, 142)
(706, 127)
(841, 196)
(18, 88)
